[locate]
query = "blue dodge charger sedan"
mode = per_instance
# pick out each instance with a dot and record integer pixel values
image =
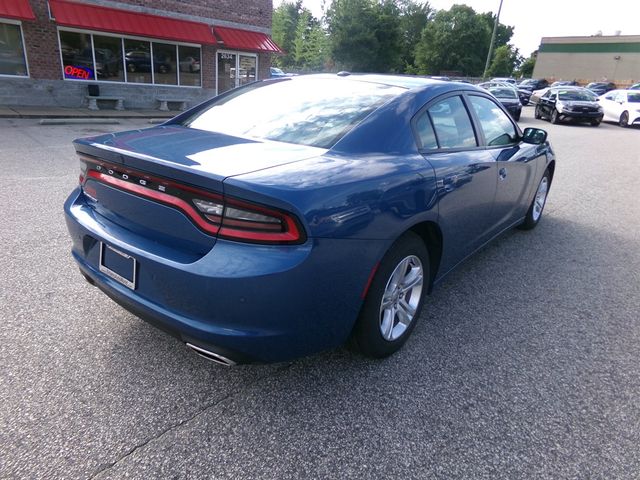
(295, 214)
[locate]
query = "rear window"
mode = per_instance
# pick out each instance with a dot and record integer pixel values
(315, 112)
(633, 97)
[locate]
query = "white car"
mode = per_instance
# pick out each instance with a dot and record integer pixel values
(621, 106)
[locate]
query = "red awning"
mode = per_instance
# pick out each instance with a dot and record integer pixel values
(245, 40)
(18, 9)
(104, 19)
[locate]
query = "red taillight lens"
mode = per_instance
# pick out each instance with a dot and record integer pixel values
(214, 213)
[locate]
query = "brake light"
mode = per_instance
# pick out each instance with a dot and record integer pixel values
(214, 213)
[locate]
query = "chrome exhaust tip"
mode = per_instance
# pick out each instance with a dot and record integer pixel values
(212, 356)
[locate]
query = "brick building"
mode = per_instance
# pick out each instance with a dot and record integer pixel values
(140, 50)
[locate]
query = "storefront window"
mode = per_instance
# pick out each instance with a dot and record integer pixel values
(165, 68)
(12, 60)
(189, 65)
(77, 57)
(172, 64)
(108, 51)
(137, 57)
(235, 69)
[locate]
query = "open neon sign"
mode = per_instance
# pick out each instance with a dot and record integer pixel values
(82, 73)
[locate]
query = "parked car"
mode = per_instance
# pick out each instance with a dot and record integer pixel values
(495, 83)
(276, 72)
(508, 97)
(190, 64)
(509, 80)
(532, 84)
(565, 83)
(600, 88)
(577, 104)
(621, 106)
(635, 86)
(328, 213)
(140, 61)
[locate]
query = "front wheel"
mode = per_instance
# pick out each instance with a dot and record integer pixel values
(595, 122)
(395, 298)
(537, 114)
(624, 120)
(534, 214)
(555, 118)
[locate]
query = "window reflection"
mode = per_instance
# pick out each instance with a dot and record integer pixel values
(108, 51)
(164, 64)
(497, 128)
(77, 57)
(138, 61)
(189, 65)
(12, 60)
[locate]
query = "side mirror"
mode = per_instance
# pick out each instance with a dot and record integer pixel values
(535, 136)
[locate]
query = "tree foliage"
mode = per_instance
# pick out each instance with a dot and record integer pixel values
(527, 66)
(458, 40)
(506, 59)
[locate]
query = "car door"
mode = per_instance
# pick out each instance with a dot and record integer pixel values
(515, 161)
(548, 103)
(465, 173)
(610, 106)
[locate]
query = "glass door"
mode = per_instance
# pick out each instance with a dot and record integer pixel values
(226, 71)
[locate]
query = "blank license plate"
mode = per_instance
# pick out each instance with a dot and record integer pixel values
(118, 265)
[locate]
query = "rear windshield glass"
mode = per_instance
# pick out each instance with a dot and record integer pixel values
(315, 112)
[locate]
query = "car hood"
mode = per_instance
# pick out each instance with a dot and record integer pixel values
(214, 155)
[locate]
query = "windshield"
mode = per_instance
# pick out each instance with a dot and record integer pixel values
(576, 95)
(308, 111)
(633, 97)
(503, 92)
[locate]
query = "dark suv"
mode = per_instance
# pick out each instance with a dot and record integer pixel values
(600, 88)
(532, 84)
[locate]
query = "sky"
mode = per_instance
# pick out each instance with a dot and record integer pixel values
(533, 20)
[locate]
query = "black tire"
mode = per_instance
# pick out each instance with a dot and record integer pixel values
(595, 122)
(554, 118)
(536, 113)
(624, 120)
(367, 336)
(516, 117)
(131, 68)
(533, 218)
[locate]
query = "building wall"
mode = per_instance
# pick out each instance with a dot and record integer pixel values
(46, 86)
(590, 59)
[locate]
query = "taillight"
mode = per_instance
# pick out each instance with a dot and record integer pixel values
(214, 213)
(245, 221)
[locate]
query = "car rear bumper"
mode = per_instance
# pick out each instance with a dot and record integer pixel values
(248, 303)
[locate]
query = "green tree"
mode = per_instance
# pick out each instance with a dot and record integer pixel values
(458, 40)
(527, 66)
(413, 18)
(283, 31)
(365, 35)
(505, 60)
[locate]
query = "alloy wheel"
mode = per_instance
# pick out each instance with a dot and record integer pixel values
(401, 298)
(541, 198)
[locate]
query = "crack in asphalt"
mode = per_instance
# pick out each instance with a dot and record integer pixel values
(184, 422)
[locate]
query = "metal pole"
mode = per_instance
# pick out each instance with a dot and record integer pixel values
(493, 39)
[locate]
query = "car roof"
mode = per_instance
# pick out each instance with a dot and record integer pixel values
(404, 81)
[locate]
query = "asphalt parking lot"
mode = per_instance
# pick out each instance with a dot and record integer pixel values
(525, 363)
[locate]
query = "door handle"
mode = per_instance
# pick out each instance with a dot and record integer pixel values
(503, 173)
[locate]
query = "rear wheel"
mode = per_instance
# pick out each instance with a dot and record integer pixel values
(534, 214)
(394, 301)
(537, 113)
(516, 117)
(555, 118)
(624, 120)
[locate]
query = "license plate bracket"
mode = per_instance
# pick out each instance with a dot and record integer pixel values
(119, 266)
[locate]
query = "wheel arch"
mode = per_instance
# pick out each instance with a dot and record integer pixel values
(552, 168)
(431, 235)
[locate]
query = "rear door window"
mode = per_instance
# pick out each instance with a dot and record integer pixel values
(452, 125)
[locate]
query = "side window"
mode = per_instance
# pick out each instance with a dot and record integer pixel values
(610, 96)
(495, 124)
(452, 124)
(425, 132)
